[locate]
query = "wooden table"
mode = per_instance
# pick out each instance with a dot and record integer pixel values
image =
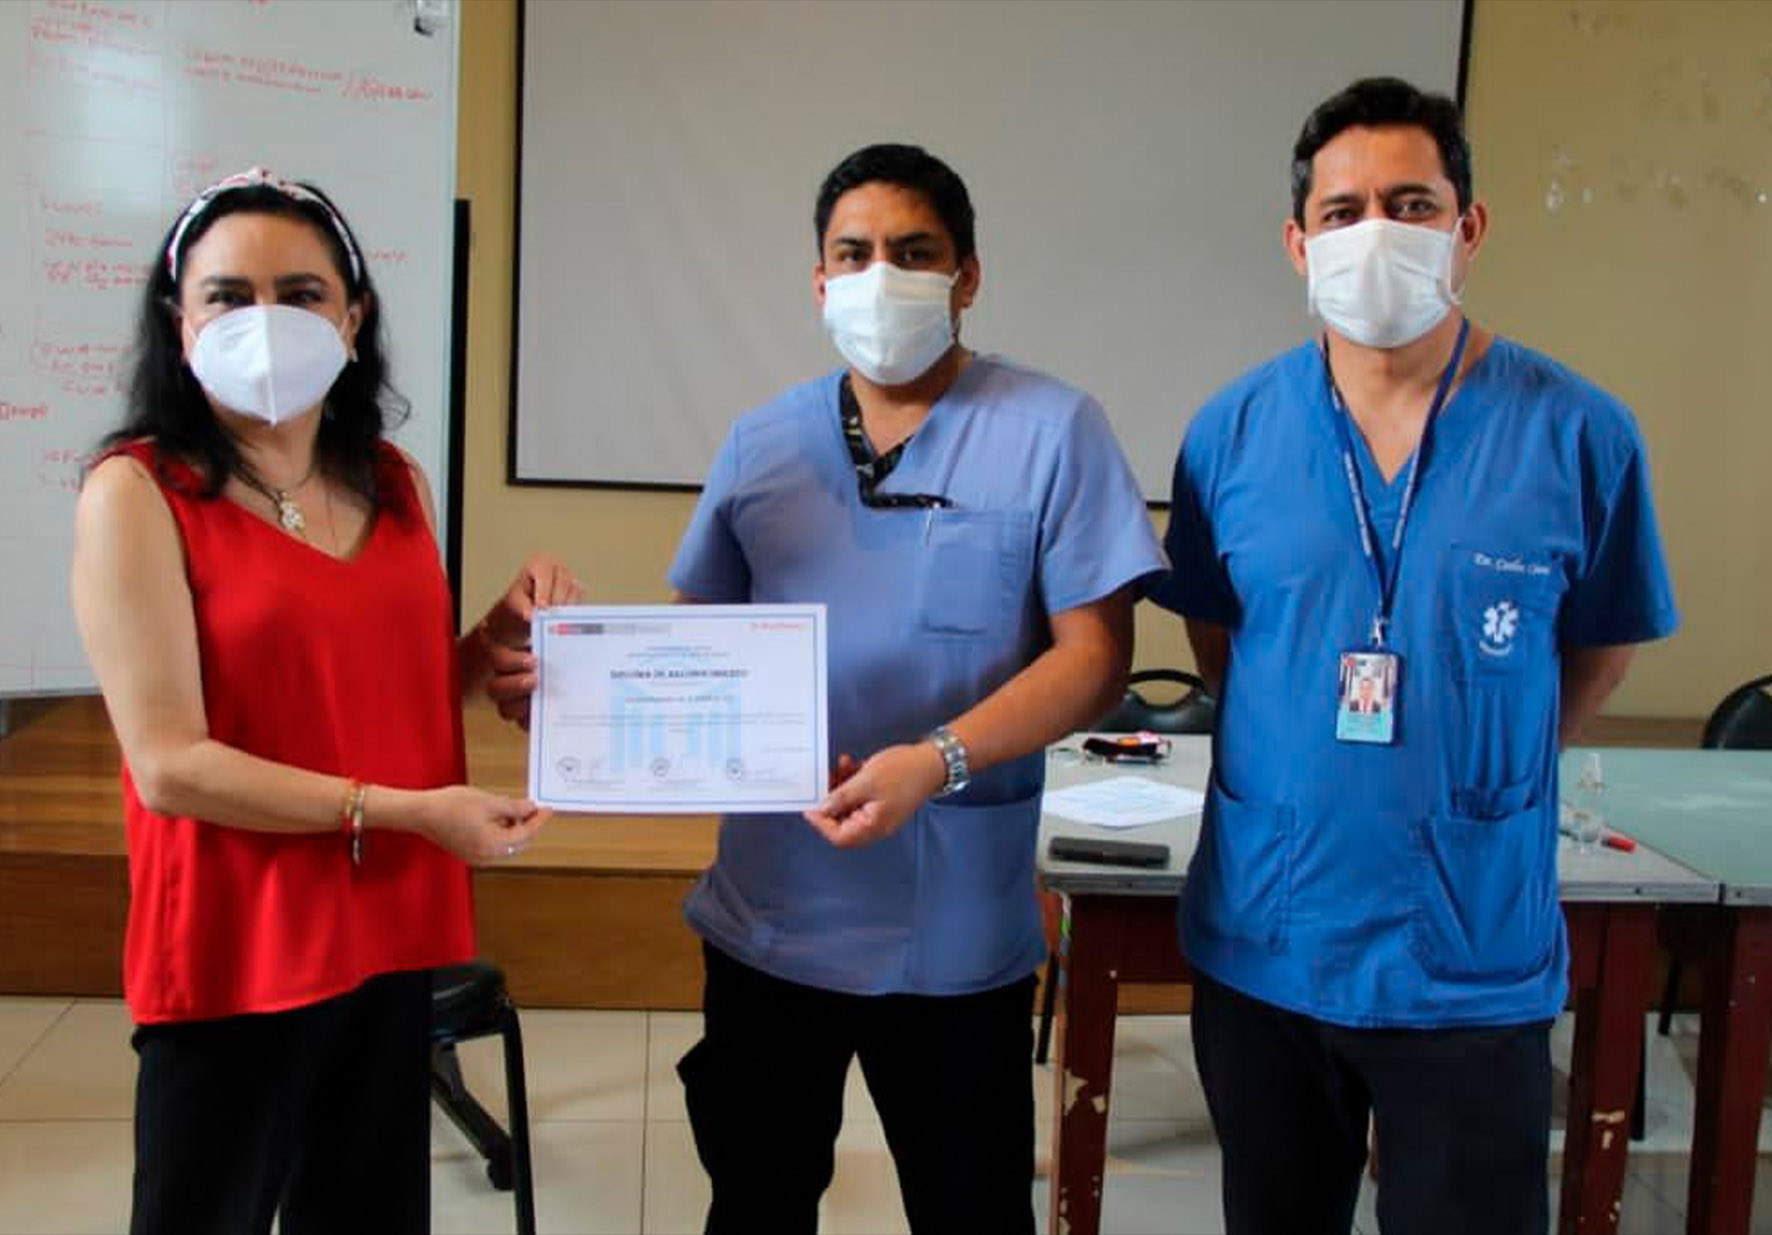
(1123, 929)
(1712, 811)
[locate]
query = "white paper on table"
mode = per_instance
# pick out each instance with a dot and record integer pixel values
(1124, 802)
(679, 709)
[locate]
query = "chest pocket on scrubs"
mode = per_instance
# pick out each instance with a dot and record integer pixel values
(1497, 634)
(1499, 612)
(975, 571)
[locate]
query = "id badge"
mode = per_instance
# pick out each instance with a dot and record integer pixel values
(1367, 707)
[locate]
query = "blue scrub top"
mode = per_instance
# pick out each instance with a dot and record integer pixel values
(930, 611)
(1413, 884)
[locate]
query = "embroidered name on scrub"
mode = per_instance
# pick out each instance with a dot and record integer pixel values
(1501, 620)
(1370, 677)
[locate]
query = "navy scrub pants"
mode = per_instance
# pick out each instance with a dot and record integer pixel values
(1462, 1119)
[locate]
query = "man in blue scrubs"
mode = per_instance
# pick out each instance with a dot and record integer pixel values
(1411, 502)
(977, 536)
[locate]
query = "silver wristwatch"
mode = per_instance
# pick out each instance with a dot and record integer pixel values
(953, 754)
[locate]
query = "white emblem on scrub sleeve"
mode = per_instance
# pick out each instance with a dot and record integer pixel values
(1501, 621)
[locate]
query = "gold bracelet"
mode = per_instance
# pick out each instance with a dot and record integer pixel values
(352, 818)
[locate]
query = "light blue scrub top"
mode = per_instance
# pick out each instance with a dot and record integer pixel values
(1413, 884)
(930, 611)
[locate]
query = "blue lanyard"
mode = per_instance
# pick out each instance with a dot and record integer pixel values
(1385, 577)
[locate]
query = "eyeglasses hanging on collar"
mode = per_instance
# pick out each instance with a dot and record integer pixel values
(871, 470)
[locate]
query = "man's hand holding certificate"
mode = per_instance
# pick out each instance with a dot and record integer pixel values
(679, 709)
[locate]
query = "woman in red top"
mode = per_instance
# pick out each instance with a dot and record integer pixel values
(257, 583)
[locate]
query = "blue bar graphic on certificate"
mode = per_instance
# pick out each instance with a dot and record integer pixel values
(679, 709)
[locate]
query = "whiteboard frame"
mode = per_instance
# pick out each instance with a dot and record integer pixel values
(513, 476)
(445, 468)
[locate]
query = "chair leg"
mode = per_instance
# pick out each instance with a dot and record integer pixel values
(1639, 1109)
(464, 1110)
(1669, 995)
(1639, 1115)
(517, 1095)
(1048, 1009)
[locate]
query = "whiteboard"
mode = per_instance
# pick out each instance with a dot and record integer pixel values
(1128, 163)
(113, 114)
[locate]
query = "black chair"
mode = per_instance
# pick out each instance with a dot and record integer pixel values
(1743, 720)
(470, 1001)
(1194, 710)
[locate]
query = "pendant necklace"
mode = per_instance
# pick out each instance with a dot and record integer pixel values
(289, 515)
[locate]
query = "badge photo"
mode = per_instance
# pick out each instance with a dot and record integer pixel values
(1367, 698)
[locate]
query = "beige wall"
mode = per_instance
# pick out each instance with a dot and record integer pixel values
(1626, 150)
(1647, 122)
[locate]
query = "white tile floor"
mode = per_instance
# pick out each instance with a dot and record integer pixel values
(614, 1154)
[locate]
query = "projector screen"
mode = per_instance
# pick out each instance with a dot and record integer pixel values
(1128, 163)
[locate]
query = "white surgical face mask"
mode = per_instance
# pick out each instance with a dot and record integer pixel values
(1380, 283)
(891, 324)
(269, 361)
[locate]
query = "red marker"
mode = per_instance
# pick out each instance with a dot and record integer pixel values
(1611, 840)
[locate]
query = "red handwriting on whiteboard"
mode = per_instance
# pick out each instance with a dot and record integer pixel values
(98, 13)
(61, 468)
(22, 411)
(71, 63)
(93, 274)
(208, 65)
(65, 238)
(84, 23)
(98, 44)
(374, 90)
(71, 210)
(264, 72)
(387, 257)
(80, 367)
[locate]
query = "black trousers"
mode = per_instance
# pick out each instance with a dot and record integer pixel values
(321, 1111)
(1462, 1119)
(949, 1075)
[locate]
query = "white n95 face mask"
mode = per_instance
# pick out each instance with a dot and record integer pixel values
(1380, 283)
(891, 324)
(269, 361)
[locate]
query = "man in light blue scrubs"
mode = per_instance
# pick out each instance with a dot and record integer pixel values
(978, 537)
(1416, 556)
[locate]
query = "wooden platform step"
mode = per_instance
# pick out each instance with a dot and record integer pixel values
(590, 916)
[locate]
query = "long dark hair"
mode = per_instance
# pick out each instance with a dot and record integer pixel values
(166, 403)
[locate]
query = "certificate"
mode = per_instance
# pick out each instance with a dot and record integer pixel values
(679, 709)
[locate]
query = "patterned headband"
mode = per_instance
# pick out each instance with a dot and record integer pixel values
(248, 179)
